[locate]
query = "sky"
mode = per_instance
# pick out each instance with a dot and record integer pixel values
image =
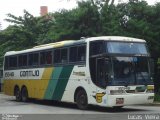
(16, 7)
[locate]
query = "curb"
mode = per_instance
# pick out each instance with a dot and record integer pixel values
(153, 104)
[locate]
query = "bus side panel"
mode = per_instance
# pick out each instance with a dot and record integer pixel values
(58, 82)
(36, 88)
(79, 79)
(8, 87)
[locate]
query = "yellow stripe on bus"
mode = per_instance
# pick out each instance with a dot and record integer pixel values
(36, 88)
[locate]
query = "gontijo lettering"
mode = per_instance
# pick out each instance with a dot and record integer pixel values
(29, 73)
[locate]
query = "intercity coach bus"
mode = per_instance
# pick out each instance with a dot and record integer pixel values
(110, 71)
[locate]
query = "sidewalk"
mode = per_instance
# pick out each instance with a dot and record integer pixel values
(152, 104)
(156, 103)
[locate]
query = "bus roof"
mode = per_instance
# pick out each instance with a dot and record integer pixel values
(74, 42)
(116, 38)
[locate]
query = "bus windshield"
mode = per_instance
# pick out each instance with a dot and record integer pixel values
(126, 48)
(131, 71)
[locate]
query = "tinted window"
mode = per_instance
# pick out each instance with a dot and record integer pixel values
(64, 55)
(61, 56)
(42, 58)
(6, 62)
(57, 56)
(81, 53)
(49, 57)
(13, 61)
(96, 47)
(73, 54)
(22, 60)
(46, 57)
(33, 59)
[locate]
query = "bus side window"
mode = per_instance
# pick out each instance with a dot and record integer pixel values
(42, 58)
(6, 63)
(73, 54)
(22, 60)
(13, 61)
(64, 55)
(81, 53)
(34, 59)
(57, 56)
(49, 57)
(46, 58)
(96, 47)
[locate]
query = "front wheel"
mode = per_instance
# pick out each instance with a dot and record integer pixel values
(81, 99)
(117, 107)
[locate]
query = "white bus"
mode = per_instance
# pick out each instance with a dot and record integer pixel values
(110, 71)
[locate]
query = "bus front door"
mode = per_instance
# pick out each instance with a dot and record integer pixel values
(102, 77)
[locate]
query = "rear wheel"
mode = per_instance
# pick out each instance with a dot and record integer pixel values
(18, 95)
(24, 93)
(81, 99)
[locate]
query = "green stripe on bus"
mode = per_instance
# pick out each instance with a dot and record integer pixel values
(53, 82)
(62, 82)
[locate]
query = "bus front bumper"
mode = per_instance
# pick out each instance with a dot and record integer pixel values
(130, 99)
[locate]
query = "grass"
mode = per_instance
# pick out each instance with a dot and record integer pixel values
(157, 98)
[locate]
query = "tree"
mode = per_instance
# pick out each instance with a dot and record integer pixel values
(33, 29)
(80, 22)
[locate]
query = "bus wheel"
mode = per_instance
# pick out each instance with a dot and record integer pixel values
(81, 99)
(117, 107)
(24, 93)
(18, 95)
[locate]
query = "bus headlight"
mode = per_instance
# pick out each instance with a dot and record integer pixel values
(117, 92)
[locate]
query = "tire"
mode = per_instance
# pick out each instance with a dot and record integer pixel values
(117, 107)
(82, 100)
(24, 93)
(18, 95)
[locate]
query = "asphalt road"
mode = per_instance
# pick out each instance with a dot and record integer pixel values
(49, 110)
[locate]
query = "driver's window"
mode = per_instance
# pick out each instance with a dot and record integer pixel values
(102, 73)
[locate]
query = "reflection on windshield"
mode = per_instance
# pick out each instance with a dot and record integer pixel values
(130, 71)
(126, 48)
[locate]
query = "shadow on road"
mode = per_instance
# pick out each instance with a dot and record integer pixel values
(91, 107)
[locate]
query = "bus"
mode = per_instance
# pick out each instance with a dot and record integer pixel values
(109, 71)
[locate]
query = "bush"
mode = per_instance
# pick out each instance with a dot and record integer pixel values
(157, 97)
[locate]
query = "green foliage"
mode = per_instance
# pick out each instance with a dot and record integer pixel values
(82, 21)
(157, 98)
(31, 30)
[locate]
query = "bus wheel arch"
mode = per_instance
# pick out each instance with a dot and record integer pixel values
(80, 97)
(17, 93)
(24, 93)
